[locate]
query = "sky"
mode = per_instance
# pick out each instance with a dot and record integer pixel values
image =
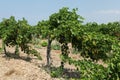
(100, 11)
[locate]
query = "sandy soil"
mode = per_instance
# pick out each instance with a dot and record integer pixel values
(21, 69)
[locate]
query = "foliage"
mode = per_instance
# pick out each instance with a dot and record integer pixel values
(90, 70)
(65, 24)
(8, 32)
(16, 33)
(43, 28)
(35, 53)
(115, 68)
(98, 44)
(90, 27)
(114, 63)
(112, 28)
(56, 72)
(24, 35)
(95, 45)
(44, 43)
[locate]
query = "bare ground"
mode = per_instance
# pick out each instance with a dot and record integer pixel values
(23, 69)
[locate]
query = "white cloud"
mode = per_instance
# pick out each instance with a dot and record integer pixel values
(108, 12)
(102, 16)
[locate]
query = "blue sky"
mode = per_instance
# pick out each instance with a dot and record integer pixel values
(101, 11)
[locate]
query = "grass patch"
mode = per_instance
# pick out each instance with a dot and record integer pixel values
(56, 47)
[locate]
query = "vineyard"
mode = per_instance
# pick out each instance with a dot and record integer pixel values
(78, 45)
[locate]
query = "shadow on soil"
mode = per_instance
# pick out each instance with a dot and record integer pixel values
(57, 72)
(15, 56)
(71, 73)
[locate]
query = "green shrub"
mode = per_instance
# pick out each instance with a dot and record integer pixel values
(44, 44)
(0, 50)
(90, 70)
